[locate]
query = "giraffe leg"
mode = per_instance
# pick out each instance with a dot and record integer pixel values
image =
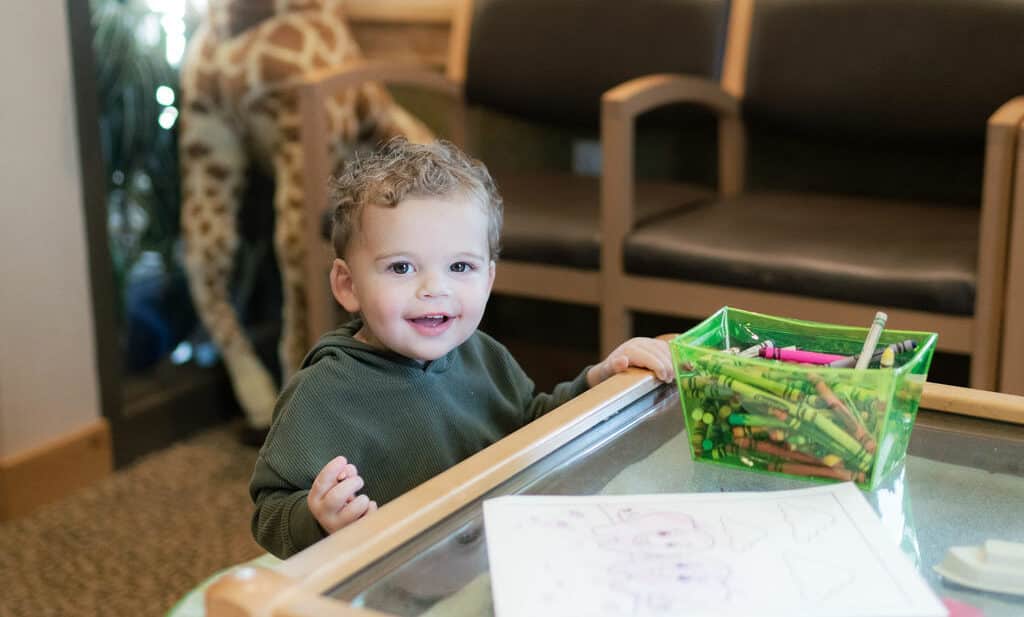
(291, 252)
(213, 166)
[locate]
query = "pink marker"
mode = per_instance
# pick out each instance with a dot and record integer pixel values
(799, 355)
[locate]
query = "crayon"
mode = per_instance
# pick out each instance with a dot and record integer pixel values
(799, 469)
(831, 460)
(887, 359)
(845, 442)
(820, 438)
(765, 447)
(709, 442)
(786, 390)
(750, 432)
(799, 355)
(750, 420)
(852, 420)
(871, 341)
(897, 348)
(754, 350)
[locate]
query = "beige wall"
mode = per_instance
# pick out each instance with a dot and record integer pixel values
(48, 377)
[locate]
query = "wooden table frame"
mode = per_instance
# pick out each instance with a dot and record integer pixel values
(296, 588)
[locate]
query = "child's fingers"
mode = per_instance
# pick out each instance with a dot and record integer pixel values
(348, 471)
(328, 477)
(342, 493)
(372, 508)
(619, 363)
(653, 355)
(353, 510)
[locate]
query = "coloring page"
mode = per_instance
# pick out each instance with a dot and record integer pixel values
(820, 551)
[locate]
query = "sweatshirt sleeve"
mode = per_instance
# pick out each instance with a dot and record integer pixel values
(540, 404)
(281, 522)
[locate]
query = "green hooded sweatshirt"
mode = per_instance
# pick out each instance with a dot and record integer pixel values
(398, 421)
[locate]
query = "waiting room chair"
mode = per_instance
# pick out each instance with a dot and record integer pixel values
(547, 61)
(854, 155)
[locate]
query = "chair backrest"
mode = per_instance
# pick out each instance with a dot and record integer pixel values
(880, 97)
(413, 31)
(550, 60)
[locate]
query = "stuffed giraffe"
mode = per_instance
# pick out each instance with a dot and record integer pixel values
(240, 107)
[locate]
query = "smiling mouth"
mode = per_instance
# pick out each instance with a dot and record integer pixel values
(431, 321)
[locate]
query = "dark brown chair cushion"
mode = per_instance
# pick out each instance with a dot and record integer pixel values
(554, 218)
(905, 254)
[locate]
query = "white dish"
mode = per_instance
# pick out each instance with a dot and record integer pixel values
(996, 566)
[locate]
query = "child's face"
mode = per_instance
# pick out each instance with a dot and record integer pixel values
(420, 273)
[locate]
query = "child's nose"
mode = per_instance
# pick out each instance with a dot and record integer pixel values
(433, 285)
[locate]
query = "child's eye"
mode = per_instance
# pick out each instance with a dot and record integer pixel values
(461, 266)
(400, 267)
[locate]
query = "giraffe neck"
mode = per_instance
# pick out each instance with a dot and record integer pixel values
(232, 17)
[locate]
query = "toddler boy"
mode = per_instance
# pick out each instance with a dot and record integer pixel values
(410, 387)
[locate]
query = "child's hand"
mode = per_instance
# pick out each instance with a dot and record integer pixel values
(648, 353)
(332, 498)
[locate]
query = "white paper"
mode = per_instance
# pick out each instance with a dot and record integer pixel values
(819, 551)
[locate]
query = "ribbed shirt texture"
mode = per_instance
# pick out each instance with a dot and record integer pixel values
(398, 421)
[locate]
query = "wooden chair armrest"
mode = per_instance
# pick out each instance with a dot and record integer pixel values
(636, 96)
(1009, 115)
(971, 402)
(329, 81)
(619, 108)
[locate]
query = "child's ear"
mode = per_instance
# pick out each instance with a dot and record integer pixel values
(343, 287)
(490, 277)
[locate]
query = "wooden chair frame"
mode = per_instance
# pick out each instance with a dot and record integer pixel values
(1011, 377)
(622, 293)
(295, 588)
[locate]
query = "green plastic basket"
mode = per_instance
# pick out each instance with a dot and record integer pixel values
(831, 424)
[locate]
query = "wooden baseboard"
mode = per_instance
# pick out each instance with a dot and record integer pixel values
(52, 470)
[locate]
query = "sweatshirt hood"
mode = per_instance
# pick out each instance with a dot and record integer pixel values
(342, 341)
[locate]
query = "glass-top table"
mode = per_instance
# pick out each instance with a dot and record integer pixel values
(961, 484)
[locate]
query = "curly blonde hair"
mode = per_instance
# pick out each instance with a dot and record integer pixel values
(401, 170)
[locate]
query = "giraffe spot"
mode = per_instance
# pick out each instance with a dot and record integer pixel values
(217, 171)
(289, 133)
(265, 106)
(196, 150)
(211, 192)
(273, 70)
(207, 86)
(320, 61)
(287, 36)
(218, 207)
(198, 107)
(204, 227)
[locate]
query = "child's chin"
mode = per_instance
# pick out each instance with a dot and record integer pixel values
(429, 353)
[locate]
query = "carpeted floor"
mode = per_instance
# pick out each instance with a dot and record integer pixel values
(138, 541)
